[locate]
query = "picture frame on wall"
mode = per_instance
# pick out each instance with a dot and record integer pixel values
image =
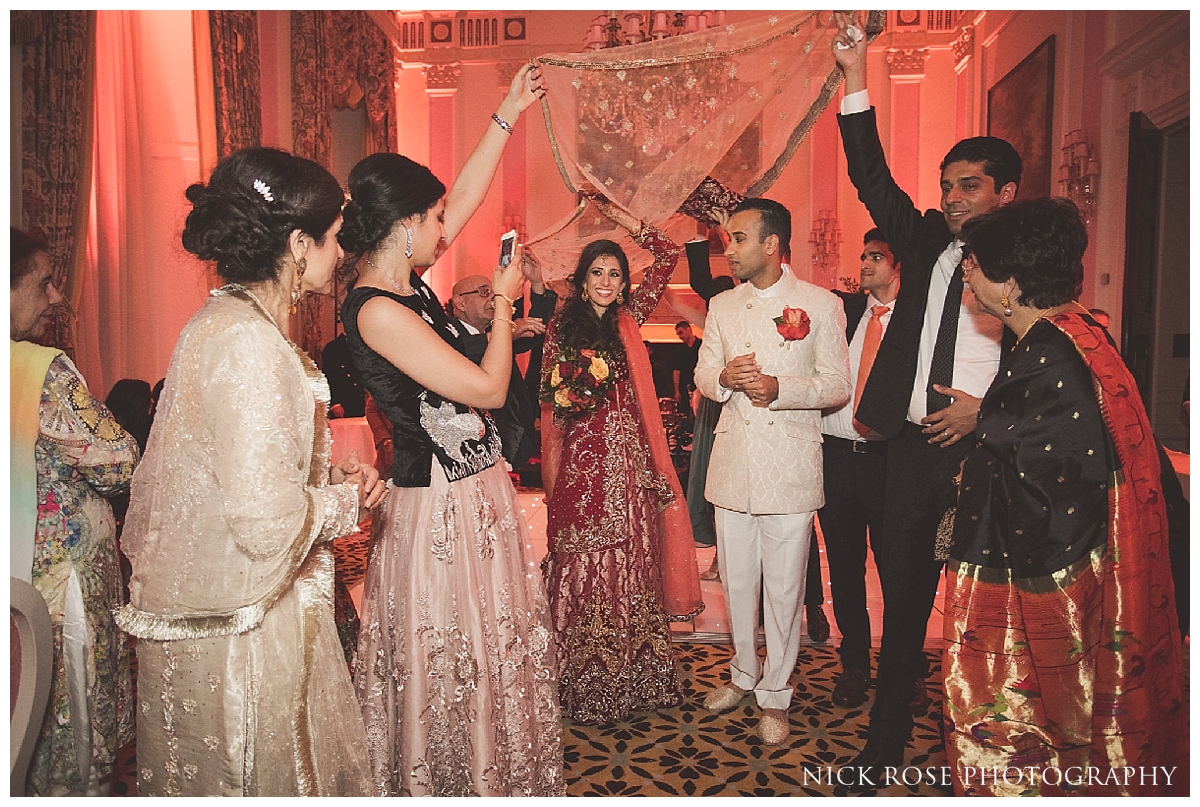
(1020, 109)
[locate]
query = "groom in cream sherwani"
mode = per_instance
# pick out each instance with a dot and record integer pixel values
(775, 351)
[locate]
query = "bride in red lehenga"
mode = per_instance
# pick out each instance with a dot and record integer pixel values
(668, 130)
(621, 561)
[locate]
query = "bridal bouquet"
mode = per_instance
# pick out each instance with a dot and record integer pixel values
(577, 382)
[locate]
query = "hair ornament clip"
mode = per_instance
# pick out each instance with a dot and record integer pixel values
(264, 189)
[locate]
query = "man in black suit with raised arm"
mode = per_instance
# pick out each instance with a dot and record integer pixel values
(924, 389)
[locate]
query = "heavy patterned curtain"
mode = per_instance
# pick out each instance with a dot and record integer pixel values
(646, 124)
(364, 71)
(237, 83)
(312, 137)
(340, 59)
(57, 115)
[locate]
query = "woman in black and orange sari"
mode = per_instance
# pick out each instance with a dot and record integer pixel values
(1063, 664)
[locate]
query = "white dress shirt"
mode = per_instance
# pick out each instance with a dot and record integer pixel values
(839, 422)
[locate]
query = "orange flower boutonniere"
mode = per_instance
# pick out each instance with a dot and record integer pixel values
(793, 325)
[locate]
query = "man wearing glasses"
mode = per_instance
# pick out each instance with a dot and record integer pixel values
(472, 308)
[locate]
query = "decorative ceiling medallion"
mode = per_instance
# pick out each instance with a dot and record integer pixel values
(441, 32)
(514, 29)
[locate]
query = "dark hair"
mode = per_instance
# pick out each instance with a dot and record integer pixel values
(1000, 160)
(155, 394)
(876, 234)
(385, 188)
(1039, 243)
(130, 400)
(774, 219)
(23, 246)
(683, 323)
(579, 327)
(255, 198)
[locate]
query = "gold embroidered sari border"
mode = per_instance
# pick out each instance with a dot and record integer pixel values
(1042, 584)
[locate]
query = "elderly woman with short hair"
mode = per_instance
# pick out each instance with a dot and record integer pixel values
(1062, 650)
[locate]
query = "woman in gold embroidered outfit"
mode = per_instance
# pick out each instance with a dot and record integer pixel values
(621, 562)
(455, 663)
(242, 686)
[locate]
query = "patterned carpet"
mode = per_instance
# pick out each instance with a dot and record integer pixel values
(688, 751)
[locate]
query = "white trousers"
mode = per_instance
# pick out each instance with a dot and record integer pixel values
(771, 551)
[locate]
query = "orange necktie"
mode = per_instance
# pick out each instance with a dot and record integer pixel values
(870, 348)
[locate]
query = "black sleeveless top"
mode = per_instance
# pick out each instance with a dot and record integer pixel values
(463, 439)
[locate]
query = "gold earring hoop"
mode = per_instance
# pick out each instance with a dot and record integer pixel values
(584, 296)
(620, 297)
(1005, 305)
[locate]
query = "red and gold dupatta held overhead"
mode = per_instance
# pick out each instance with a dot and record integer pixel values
(1063, 678)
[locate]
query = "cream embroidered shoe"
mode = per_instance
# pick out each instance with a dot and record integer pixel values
(724, 698)
(773, 726)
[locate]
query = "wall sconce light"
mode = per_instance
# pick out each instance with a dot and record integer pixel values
(824, 240)
(1079, 174)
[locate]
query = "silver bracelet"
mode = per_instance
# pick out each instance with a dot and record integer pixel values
(502, 123)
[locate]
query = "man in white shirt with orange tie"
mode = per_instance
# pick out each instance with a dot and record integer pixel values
(855, 464)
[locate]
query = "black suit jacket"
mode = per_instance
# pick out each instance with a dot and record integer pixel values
(916, 239)
(854, 304)
(515, 420)
(700, 276)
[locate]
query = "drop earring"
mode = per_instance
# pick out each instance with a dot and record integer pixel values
(620, 297)
(584, 296)
(408, 246)
(1005, 305)
(301, 268)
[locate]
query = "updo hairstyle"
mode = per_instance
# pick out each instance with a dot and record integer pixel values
(385, 188)
(255, 198)
(23, 247)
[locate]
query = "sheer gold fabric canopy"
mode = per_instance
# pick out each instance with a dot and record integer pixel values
(646, 124)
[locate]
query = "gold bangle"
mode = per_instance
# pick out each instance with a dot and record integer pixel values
(502, 319)
(504, 297)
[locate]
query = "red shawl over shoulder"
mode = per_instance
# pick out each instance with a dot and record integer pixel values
(1031, 663)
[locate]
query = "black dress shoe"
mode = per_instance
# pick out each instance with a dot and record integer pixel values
(851, 688)
(918, 702)
(870, 769)
(818, 625)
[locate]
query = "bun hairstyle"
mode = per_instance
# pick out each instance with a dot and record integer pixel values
(22, 247)
(255, 198)
(385, 188)
(579, 327)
